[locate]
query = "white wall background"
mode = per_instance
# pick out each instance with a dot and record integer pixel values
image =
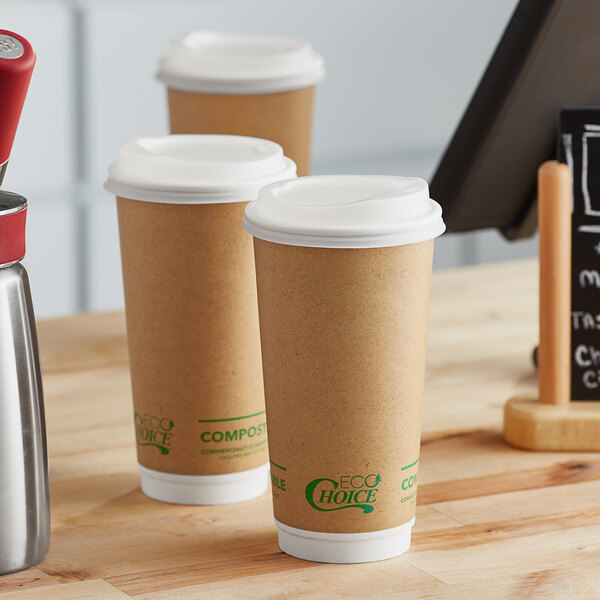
(400, 74)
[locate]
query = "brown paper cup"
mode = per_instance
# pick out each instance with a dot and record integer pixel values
(192, 314)
(243, 84)
(193, 337)
(285, 118)
(343, 340)
(343, 267)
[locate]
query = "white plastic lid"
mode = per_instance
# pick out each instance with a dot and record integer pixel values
(345, 211)
(233, 63)
(196, 169)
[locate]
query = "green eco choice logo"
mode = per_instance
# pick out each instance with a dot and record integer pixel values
(153, 431)
(351, 491)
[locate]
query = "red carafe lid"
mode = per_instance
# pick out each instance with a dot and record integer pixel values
(13, 210)
(17, 59)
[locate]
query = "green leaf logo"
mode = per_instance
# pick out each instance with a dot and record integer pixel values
(333, 498)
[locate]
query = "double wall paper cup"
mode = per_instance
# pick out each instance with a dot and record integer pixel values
(343, 268)
(254, 85)
(192, 317)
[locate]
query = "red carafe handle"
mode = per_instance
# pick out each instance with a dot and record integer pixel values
(17, 59)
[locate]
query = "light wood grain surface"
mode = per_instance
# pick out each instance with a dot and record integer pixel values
(492, 522)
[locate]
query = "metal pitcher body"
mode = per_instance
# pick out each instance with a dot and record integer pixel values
(24, 493)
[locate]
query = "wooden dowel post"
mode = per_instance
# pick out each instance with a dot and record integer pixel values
(554, 224)
(551, 421)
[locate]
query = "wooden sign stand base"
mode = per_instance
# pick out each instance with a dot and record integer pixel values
(549, 420)
(535, 425)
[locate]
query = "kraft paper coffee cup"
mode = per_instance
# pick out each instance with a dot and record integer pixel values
(192, 317)
(254, 85)
(343, 269)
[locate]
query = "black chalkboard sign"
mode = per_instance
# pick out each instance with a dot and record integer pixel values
(580, 149)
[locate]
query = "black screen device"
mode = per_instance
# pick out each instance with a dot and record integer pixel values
(548, 58)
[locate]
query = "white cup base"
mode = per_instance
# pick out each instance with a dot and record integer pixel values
(229, 488)
(371, 546)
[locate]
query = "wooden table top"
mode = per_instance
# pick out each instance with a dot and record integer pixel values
(492, 521)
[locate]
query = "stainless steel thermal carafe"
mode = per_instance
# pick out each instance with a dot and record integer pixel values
(24, 495)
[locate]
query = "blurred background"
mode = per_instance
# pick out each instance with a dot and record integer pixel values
(399, 75)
